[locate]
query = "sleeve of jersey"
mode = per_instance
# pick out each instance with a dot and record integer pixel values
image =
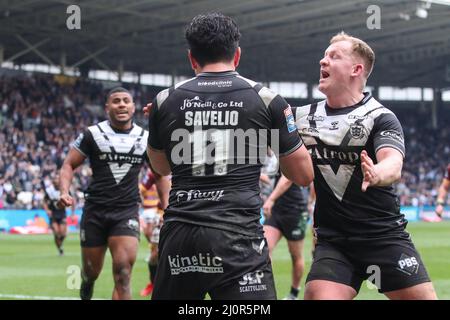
(388, 133)
(153, 137)
(287, 140)
(83, 143)
(447, 176)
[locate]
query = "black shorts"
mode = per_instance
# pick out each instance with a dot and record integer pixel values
(98, 223)
(196, 260)
(58, 219)
(390, 263)
(292, 226)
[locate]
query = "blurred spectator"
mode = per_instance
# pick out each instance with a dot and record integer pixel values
(72, 220)
(39, 119)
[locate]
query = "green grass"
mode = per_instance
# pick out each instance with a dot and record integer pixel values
(431, 239)
(29, 265)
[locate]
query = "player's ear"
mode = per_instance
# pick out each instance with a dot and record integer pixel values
(237, 57)
(194, 63)
(358, 69)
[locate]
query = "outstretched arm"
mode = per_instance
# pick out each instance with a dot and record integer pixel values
(74, 159)
(385, 172)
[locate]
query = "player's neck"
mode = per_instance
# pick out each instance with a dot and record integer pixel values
(344, 100)
(216, 67)
(121, 126)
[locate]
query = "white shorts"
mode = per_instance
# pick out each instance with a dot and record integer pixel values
(150, 215)
(155, 234)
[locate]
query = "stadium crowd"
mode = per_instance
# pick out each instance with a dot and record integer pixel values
(39, 119)
(41, 116)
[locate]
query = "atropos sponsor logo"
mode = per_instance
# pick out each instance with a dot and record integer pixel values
(407, 264)
(357, 131)
(190, 195)
(394, 134)
(334, 125)
(133, 224)
(290, 122)
(252, 281)
(216, 83)
(350, 157)
(204, 263)
(121, 158)
(315, 118)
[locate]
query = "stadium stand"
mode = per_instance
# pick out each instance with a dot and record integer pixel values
(40, 117)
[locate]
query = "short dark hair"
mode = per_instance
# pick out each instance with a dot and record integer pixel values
(115, 90)
(212, 37)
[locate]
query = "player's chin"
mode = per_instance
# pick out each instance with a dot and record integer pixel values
(322, 87)
(122, 119)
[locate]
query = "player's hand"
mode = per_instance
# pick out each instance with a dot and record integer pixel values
(65, 200)
(49, 213)
(370, 175)
(267, 208)
(147, 109)
(264, 178)
(439, 210)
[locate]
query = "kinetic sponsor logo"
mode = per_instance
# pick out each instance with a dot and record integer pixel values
(203, 263)
(199, 195)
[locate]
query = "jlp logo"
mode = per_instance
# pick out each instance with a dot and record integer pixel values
(252, 278)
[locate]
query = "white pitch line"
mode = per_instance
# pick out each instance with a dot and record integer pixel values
(22, 296)
(25, 297)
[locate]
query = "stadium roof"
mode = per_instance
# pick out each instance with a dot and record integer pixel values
(282, 40)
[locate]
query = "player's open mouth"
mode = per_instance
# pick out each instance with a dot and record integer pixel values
(324, 74)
